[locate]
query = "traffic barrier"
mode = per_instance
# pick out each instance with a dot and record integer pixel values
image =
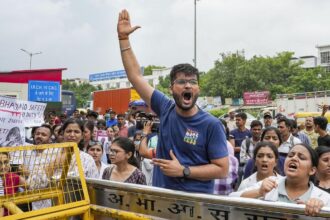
(171, 204)
(43, 177)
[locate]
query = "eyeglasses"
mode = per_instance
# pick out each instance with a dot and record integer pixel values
(92, 143)
(183, 82)
(115, 152)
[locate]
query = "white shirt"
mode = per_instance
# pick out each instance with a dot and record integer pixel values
(288, 144)
(245, 156)
(248, 182)
(88, 165)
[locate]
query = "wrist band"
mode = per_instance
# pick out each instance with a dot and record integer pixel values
(124, 49)
(123, 38)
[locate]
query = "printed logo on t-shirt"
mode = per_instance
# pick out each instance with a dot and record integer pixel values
(191, 137)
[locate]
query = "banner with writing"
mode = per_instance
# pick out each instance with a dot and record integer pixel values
(15, 115)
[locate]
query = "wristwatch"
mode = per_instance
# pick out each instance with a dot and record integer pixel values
(186, 171)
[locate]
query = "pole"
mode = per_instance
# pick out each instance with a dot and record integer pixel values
(31, 54)
(30, 60)
(195, 37)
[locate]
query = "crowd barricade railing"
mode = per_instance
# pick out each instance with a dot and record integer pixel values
(170, 204)
(42, 182)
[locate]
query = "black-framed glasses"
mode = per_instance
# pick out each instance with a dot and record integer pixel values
(183, 82)
(92, 143)
(114, 152)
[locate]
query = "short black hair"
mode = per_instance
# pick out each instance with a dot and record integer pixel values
(92, 114)
(185, 68)
(121, 116)
(48, 127)
(255, 123)
(293, 123)
(286, 121)
(241, 115)
(322, 122)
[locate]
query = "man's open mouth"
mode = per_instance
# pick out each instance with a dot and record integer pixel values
(187, 96)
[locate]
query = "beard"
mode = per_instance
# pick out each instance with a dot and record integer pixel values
(182, 107)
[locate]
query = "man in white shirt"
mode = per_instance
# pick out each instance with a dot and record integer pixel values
(284, 125)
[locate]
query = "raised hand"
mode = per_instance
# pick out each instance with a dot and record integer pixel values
(267, 185)
(124, 27)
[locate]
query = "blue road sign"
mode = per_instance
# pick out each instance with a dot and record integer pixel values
(44, 91)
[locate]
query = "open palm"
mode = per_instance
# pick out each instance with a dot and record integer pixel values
(124, 27)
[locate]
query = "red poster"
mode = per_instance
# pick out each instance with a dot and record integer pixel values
(256, 98)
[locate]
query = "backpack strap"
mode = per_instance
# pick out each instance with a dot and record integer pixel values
(291, 141)
(247, 144)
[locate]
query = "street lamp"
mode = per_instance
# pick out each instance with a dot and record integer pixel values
(31, 54)
(195, 35)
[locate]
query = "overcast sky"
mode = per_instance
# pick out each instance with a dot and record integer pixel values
(80, 35)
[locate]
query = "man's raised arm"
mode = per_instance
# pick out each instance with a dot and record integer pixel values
(130, 62)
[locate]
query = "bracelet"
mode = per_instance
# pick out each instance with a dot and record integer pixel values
(123, 38)
(124, 49)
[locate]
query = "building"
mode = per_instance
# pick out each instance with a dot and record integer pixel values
(32, 85)
(118, 79)
(324, 56)
(78, 81)
(308, 61)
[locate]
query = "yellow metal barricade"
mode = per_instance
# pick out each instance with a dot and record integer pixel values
(42, 182)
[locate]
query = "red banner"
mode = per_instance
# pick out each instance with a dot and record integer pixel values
(256, 98)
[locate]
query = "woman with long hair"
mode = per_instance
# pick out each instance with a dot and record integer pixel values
(95, 149)
(273, 135)
(90, 132)
(124, 166)
(73, 131)
(300, 165)
(265, 157)
(323, 168)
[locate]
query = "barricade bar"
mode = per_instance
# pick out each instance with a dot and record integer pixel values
(115, 213)
(171, 204)
(45, 177)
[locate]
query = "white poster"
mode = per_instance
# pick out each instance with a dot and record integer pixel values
(15, 115)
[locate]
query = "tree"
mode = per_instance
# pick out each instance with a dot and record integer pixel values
(164, 84)
(148, 69)
(82, 91)
(233, 74)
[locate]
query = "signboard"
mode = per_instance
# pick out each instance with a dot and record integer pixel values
(109, 75)
(256, 98)
(171, 204)
(44, 91)
(15, 115)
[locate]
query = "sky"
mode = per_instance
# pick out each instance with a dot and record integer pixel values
(80, 35)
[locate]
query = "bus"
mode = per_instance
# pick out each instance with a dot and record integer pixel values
(69, 102)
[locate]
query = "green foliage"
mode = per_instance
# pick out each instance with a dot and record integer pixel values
(164, 84)
(148, 69)
(233, 74)
(82, 91)
(218, 112)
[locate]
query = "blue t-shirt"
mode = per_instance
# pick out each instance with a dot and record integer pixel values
(239, 136)
(194, 140)
(111, 122)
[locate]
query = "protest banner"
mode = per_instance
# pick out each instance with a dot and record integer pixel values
(15, 115)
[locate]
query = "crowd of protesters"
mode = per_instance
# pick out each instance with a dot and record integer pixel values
(255, 159)
(185, 148)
